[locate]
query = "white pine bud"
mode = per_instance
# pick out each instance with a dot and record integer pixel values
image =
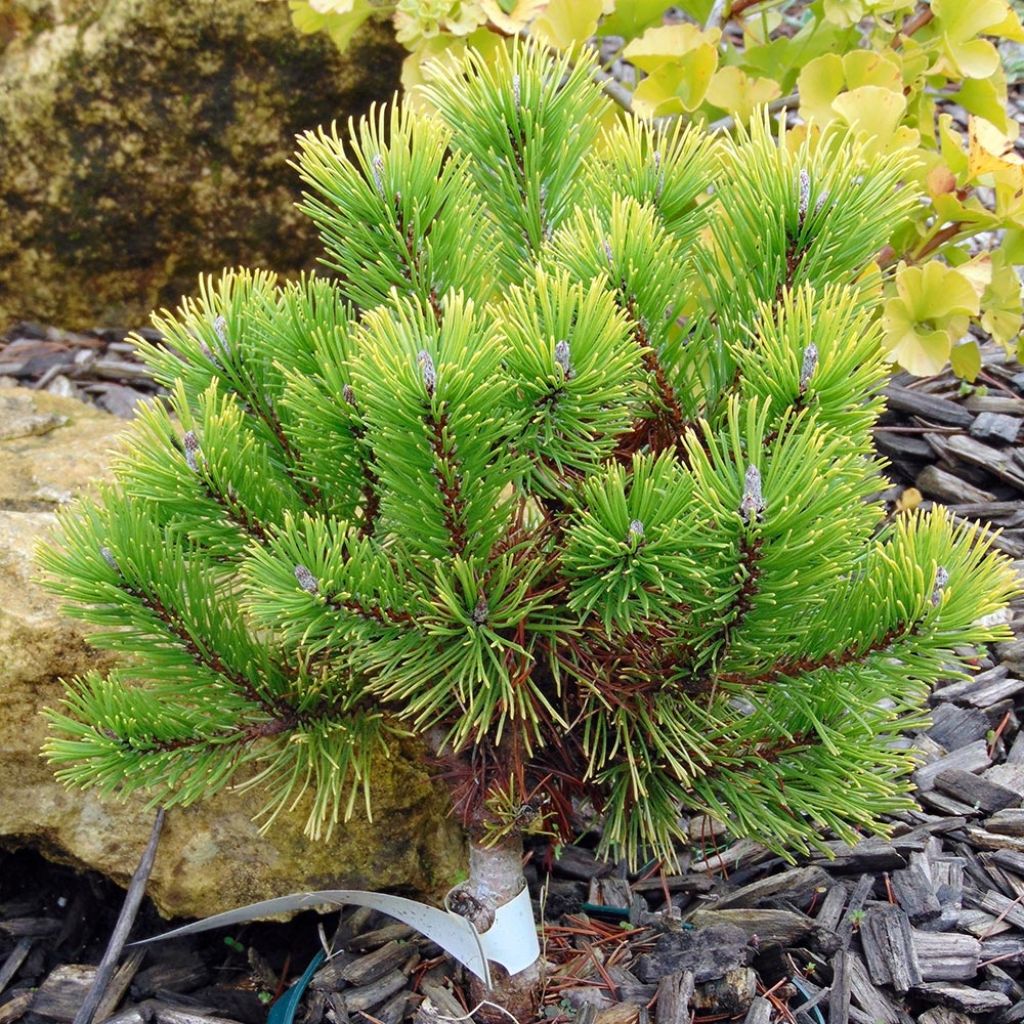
(428, 371)
(220, 328)
(805, 195)
(306, 579)
(377, 168)
(191, 443)
(809, 365)
(562, 358)
(752, 506)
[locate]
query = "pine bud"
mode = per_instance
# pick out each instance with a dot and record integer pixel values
(108, 557)
(810, 364)
(220, 328)
(377, 167)
(941, 581)
(516, 98)
(805, 195)
(306, 579)
(752, 505)
(659, 188)
(349, 395)
(481, 611)
(822, 199)
(608, 251)
(636, 529)
(427, 369)
(562, 358)
(191, 450)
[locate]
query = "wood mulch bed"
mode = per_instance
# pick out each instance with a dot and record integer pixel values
(927, 925)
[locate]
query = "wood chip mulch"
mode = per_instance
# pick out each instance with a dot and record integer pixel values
(926, 926)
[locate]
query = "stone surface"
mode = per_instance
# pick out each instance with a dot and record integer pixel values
(211, 857)
(145, 142)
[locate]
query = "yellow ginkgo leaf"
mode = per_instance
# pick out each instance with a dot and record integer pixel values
(951, 209)
(680, 61)
(935, 292)
(959, 24)
(340, 19)
(566, 23)
(678, 86)
(876, 113)
(1009, 28)
(444, 49)
(517, 17)
(631, 18)
(965, 358)
(931, 309)
(986, 97)
(978, 272)
(1013, 245)
(735, 92)
(869, 67)
(759, 31)
(920, 351)
(951, 145)
(1002, 304)
(668, 42)
(820, 81)
(844, 12)
(990, 151)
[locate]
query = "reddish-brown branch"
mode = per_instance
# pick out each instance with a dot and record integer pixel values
(740, 6)
(804, 666)
(938, 240)
(236, 511)
(373, 612)
(918, 21)
(453, 505)
(210, 659)
(666, 427)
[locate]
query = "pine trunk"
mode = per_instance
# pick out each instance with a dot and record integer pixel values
(495, 877)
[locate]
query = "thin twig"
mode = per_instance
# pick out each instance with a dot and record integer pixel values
(614, 89)
(741, 5)
(125, 920)
(918, 21)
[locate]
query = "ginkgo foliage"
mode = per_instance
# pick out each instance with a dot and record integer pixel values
(565, 466)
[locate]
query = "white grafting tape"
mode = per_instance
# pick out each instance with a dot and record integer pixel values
(510, 941)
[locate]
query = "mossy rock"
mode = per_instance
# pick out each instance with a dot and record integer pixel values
(146, 142)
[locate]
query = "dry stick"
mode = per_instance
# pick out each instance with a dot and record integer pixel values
(125, 920)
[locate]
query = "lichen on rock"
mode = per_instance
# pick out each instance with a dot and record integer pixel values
(146, 142)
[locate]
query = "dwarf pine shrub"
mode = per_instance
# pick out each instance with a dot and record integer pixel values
(565, 467)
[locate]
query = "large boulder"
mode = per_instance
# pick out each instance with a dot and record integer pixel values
(211, 857)
(147, 141)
